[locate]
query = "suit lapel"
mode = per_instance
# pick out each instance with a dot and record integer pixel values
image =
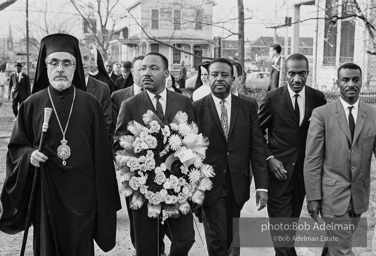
(359, 121)
(148, 105)
(90, 88)
(169, 104)
(288, 103)
(234, 112)
(213, 112)
(308, 105)
(341, 118)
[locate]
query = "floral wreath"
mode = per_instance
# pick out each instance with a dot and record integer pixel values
(163, 165)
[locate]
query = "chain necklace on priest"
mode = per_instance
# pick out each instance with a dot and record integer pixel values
(63, 151)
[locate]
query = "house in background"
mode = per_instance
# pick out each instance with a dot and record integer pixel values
(346, 40)
(184, 24)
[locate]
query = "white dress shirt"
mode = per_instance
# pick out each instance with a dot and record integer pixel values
(136, 89)
(162, 99)
(217, 103)
(301, 102)
(354, 111)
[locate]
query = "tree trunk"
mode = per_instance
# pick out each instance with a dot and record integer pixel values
(241, 32)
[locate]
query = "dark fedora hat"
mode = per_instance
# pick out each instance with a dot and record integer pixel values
(18, 65)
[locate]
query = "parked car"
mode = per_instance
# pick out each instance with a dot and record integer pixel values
(257, 80)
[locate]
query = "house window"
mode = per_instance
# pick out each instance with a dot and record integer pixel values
(330, 41)
(177, 19)
(176, 56)
(155, 19)
(346, 30)
(346, 53)
(198, 20)
(154, 47)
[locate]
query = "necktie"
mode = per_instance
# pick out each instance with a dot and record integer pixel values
(224, 118)
(351, 122)
(297, 109)
(159, 108)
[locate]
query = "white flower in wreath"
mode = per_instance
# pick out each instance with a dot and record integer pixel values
(149, 154)
(167, 184)
(194, 176)
(166, 133)
(163, 193)
(182, 181)
(157, 170)
(175, 142)
(184, 129)
(169, 199)
(163, 167)
(182, 198)
(177, 189)
(143, 168)
(174, 127)
(160, 178)
(144, 145)
(141, 159)
(174, 181)
(184, 170)
(142, 179)
(150, 164)
(148, 194)
(197, 161)
(133, 164)
(143, 189)
(154, 126)
(134, 183)
(151, 141)
(174, 199)
(143, 135)
(158, 198)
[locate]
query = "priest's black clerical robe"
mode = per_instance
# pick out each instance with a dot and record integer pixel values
(75, 203)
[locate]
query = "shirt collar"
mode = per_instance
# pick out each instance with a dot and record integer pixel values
(277, 59)
(86, 79)
(345, 105)
(136, 88)
(292, 93)
(217, 100)
(163, 94)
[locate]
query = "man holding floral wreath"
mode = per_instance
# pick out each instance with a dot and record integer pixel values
(165, 104)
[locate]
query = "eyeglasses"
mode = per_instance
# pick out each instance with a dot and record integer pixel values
(108, 66)
(66, 64)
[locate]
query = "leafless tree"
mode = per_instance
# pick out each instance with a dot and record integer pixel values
(104, 11)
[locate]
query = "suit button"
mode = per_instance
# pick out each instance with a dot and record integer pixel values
(228, 153)
(293, 164)
(224, 171)
(353, 167)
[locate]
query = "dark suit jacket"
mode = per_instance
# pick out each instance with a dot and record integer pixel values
(245, 143)
(20, 90)
(286, 139)
(135, 107)
(117, 98)
(114, 77)
(122, 83)
(274, 76)
(101, 92)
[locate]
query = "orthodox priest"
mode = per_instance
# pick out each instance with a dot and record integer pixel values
(76, 195)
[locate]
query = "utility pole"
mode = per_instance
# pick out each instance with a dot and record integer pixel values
(241, 32)
(27, 38)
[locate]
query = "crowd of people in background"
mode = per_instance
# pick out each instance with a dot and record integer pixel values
(294, 144)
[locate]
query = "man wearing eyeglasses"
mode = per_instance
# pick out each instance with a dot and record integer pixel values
(110, 70)
(76, 196)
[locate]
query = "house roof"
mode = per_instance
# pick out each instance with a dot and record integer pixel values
(268, 41)
(140, 1)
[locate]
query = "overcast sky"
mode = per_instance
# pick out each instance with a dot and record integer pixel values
(262, 12)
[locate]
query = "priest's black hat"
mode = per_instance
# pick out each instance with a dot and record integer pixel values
(58, 43)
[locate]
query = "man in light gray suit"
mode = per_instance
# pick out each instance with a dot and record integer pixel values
(340, 142)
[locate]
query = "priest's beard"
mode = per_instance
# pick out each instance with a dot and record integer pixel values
(60, 85)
